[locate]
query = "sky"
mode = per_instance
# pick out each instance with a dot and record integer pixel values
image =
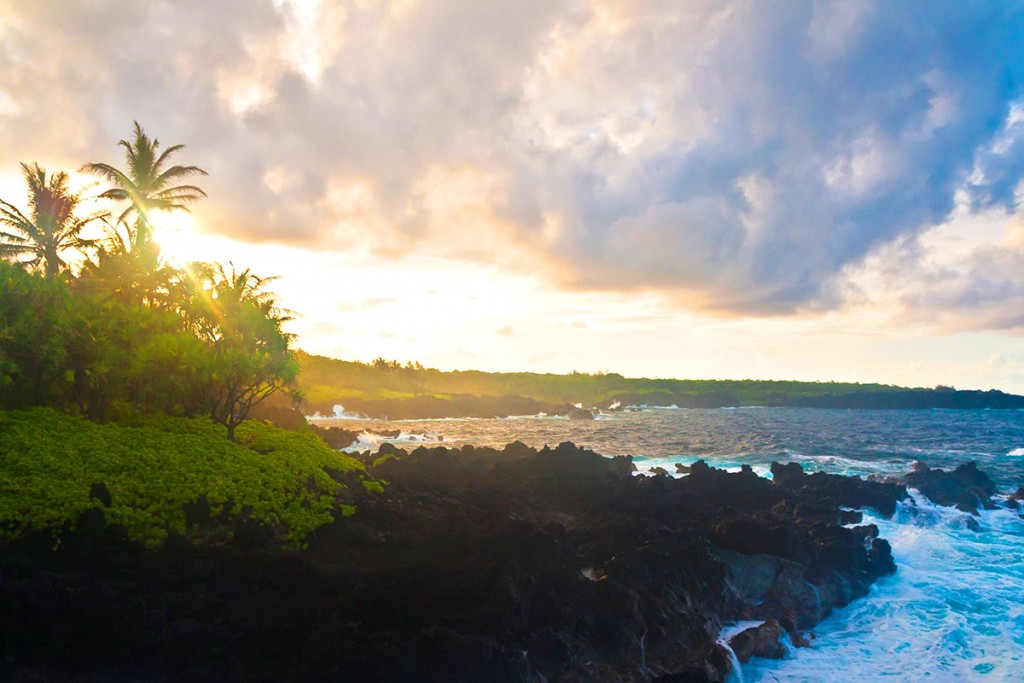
(777, 190)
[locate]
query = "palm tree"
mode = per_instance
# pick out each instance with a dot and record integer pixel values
(245, 286)
(147, 183)
(210, 296)
(248, 352)
(51, 227)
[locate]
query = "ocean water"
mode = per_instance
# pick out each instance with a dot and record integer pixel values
(954, 610)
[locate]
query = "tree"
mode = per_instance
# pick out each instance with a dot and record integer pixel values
(51, 227)
(148, 184)
(249, 357)
(128, 266)
(133, 277)
(34, 329)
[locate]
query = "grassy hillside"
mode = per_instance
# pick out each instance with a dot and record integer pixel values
(325, 379)
(154, 466)
(390, 388)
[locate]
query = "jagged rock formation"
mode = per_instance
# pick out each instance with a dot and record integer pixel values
(966, 488)
(473, 564)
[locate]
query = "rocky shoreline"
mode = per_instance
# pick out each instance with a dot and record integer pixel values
(473, 564)
(476, 406)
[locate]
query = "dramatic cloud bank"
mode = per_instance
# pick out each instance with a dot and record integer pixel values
(744, 156)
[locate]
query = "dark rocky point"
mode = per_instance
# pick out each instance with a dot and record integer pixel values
(474, 564)
(966, 488)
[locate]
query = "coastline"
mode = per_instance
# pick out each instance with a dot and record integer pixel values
(391, 391)
(469, 564)
(467, 406)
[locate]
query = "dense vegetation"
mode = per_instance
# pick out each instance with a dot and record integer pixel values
(386, 386)
(125, 328)
(324, 379)
(151, 468)
(116, 369)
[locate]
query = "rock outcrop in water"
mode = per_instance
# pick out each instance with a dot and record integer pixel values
(474, 564)
(848, 491)
(339, 437)
(966, 488)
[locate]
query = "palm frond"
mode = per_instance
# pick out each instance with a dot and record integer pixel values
(110, 173)
(144, 181)
(175, 172)
(11, 216)
(8, 250)
(123, 218)
(185, 192)
(158, 164)
(116, 194)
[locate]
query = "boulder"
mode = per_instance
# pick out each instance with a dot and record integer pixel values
(848, 491)
(759, 641)
(335, 437)
(966, 488)
(279, 416)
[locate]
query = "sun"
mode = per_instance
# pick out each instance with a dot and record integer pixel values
(180, 238)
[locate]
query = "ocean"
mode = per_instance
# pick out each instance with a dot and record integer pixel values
(954, 610)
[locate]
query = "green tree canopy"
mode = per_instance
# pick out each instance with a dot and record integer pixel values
(51, 227)
(239, 319)
(148, 184)
(130, 332)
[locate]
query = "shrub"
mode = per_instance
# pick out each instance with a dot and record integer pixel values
(154, 465)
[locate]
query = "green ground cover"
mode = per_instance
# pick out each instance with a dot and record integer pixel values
(154, 465)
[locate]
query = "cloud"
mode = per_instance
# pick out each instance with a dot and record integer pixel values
(743, 155)
(960, 276)
(984, 293)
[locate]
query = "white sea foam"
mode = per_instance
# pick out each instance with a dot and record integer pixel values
(736, 674)
(442, 419)
(538, 416)
(952, 612)
(837, 464)
(339, 413)
(730, 631)
(368, 441)
(645, 465)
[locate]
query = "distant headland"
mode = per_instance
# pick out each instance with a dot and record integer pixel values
(388, 389)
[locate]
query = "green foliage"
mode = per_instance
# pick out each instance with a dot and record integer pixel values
(326, 380)
(238, 320)
(147, 183)
(133, 341)
(372, 486)
(153, 465)
(51, 227)
(35, 327)
(384, 458)
(129, 328)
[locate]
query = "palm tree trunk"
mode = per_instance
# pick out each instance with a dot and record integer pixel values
(52, 262)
